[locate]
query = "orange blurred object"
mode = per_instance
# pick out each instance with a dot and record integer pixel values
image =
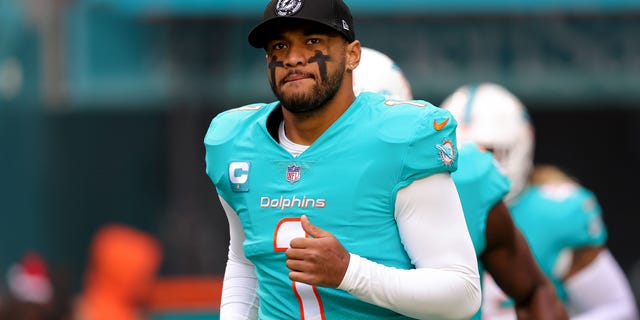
(186, 293)
(123, 266)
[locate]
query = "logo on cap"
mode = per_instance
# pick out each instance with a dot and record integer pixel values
(345, 25)
(288, 7)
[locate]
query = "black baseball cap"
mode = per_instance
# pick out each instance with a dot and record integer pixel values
(334, 14)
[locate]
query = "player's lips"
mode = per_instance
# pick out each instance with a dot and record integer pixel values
(296, 77)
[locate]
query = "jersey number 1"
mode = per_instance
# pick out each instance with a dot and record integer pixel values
(308, 297)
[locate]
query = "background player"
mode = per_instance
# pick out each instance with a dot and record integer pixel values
(388, 239)
(499, 245)
(560, 219)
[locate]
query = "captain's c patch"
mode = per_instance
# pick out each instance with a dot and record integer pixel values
(239, 176)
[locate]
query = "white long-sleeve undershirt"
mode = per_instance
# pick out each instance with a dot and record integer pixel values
(601, 291)
(598, 291)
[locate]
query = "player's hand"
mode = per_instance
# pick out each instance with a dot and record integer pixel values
(320, 261)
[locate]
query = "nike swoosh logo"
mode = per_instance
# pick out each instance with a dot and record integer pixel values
(439, 126)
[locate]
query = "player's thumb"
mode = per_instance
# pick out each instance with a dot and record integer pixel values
(311, 229)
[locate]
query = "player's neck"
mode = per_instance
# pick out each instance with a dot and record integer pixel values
(306, 128)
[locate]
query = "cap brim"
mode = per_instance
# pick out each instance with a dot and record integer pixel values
(261, 34)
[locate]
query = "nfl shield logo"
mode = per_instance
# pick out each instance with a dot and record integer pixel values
(293, 173)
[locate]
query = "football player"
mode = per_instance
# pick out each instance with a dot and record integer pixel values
(339, 207)
(560, 219)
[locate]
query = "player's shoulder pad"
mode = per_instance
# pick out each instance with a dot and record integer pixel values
(228, 123)
(476, 163)
(406, 120)
(579, 208)
(570, 195)
(428, 131)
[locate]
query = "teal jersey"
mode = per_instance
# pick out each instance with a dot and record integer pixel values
(555, 217)
(480, 186)
(345, 182)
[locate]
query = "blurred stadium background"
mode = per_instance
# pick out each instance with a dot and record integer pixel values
(104, 105)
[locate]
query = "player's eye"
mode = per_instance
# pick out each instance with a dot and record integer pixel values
(277, 46)
(313, 41)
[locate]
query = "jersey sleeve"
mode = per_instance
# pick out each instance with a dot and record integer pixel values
(222, 129)
(590, 228)
(433, 148)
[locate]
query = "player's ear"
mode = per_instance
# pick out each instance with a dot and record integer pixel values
(353, 55)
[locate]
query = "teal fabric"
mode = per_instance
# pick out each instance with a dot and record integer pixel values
(554, 217)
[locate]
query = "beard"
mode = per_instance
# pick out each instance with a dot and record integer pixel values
(315, 98)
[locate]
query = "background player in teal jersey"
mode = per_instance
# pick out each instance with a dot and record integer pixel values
(560, 219)
(339, 207)
(499, 245)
